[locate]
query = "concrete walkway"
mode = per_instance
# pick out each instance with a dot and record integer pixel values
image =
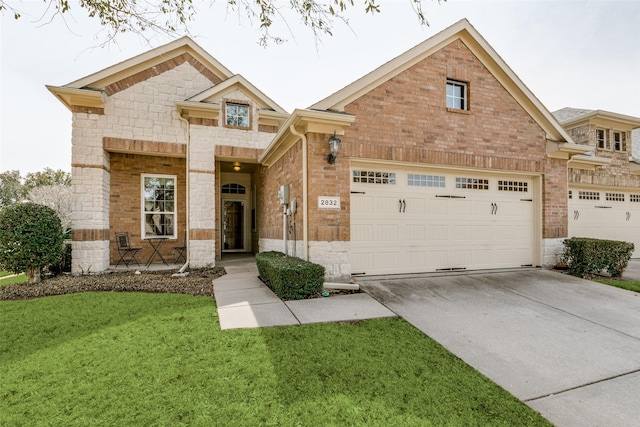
(243, 301)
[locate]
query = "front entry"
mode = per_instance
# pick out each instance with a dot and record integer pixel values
(233, 213)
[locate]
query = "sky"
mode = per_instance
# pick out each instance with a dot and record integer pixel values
(582, 54)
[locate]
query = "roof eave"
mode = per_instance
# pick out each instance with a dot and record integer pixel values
(302, 122)
(77, 97)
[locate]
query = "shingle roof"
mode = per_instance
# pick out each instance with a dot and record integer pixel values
(569, 113)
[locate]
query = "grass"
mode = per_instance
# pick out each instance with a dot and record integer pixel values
(4, 273)
(122, 359)
(21, 278)
(630, 285)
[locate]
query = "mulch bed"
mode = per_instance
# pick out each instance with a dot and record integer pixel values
(198, 282)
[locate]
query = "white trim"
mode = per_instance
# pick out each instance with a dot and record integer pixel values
(143, 231)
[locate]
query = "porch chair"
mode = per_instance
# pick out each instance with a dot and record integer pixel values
(126, 252)
(182, 250)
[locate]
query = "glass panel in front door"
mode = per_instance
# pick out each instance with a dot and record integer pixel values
(233, 225)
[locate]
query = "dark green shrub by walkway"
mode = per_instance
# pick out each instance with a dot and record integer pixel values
(588, 257)
(290, 277)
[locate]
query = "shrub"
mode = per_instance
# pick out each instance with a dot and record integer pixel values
(290, 277)
(30, 239)
(587, 257)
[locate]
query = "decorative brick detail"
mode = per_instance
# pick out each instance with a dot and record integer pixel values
(238, 152)
(203, 122)
(120, 145)
(89, 235)
(80, 165)
(87, 110)
(268, 128)
(159, 69)
(201, 234)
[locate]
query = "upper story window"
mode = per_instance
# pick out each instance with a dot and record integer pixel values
(618, 141)
(237, 115)
(457, 97)
(158, 206)
(602, 141)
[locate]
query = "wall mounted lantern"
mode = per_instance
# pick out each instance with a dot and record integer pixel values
(334, 147)
(236, 166)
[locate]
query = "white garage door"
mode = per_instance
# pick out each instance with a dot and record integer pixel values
(410, 221)
(608, 215)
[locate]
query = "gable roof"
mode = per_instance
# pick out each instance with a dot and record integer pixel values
(87, 91)
(569, 117)
(147, 60)
(464, 31)
(237, 82)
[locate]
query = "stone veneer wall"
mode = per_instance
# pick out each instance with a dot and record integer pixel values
(140, 117)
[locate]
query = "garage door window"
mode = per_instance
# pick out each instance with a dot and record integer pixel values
(472, 183)
(414, 180)
(374, 177)
(588, 195)
(634, 198)
(517, 186)
(615, 197)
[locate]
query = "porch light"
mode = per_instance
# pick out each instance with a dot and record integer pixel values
(236, 166)
(334, 147)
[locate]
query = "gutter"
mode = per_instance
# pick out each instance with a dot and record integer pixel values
(187, 198)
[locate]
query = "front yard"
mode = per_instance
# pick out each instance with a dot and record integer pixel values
(122, 359)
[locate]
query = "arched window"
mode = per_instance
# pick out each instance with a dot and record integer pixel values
(233, 189)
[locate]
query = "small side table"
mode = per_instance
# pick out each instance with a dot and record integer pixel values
(155, 245)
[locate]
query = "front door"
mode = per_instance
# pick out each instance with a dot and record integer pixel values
(233, 225)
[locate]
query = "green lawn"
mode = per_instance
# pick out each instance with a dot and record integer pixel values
(124, 359)
(22, 278)
(630, 285)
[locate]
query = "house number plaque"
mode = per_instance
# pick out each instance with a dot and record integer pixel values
(325, 202)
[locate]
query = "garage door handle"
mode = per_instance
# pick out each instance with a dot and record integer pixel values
(628, 216)
(494, 208)
(403, 205)
(576, 214)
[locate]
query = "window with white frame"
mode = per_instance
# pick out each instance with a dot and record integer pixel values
(602, 141)
(159, 210)
(457, 95)
(618, 141)
(236, 114)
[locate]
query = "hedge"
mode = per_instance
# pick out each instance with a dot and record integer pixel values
(587, 257)
(290, 277)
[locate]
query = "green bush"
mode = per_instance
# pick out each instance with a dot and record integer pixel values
(588, 257)
(30, 239)
(290, 277)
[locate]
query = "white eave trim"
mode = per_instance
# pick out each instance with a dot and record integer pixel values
(198, 109)
(78, 97)
(304, 121)
(581, 161)
(566, 150)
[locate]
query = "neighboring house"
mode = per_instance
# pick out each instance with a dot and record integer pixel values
(447, 161)
(604, 202)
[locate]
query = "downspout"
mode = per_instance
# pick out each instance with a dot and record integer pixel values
(305, 192)
(186, 234)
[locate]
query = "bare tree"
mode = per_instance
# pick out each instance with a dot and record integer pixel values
(173, 16)
(58, 198)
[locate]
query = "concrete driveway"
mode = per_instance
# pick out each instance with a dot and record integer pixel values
(569, 348)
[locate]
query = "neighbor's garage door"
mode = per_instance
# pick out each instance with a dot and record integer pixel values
(408, 221)
(605, 215)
